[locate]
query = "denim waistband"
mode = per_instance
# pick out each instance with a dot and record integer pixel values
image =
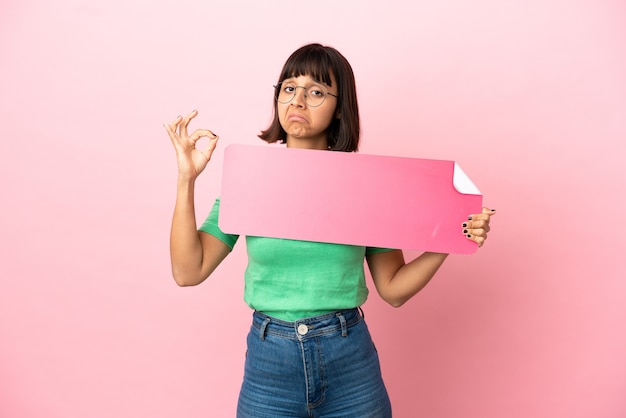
(333, 322)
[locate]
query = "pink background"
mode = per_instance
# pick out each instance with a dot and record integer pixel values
(529, 97)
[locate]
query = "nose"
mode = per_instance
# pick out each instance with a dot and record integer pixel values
(299, 98)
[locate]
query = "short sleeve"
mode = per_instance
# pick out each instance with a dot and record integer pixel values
(210, 226)
(375, 250)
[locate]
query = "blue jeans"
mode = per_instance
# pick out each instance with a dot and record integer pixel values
(325, 366)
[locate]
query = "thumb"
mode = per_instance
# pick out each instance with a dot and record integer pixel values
(210, 146)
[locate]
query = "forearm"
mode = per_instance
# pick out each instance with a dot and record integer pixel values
(185, 245)
(410, 278)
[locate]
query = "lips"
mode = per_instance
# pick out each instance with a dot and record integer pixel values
(296, 117)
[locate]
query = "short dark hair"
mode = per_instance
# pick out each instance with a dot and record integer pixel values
(318, 62)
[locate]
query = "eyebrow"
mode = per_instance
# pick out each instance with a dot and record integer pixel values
(315, 81)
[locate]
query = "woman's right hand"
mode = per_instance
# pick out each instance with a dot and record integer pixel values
(191, 161)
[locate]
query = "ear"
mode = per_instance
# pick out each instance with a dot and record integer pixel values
(338, 115)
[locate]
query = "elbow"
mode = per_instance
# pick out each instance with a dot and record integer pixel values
(183, 283)
(185, 280)
(394, 300)
(396, 303)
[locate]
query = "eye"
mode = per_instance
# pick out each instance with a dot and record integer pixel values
(289, 88)
(316, 92)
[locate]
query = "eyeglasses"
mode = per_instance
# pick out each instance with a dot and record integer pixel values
(313, 96)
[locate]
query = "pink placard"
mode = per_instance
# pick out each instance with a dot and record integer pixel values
(347, 198)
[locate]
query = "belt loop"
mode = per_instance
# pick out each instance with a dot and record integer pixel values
(362, 313)
(344, 327)
(263, 327)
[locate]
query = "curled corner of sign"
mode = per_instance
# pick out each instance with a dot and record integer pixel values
(462, 182)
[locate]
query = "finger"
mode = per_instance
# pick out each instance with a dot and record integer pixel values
(477, 232)
(479, 217)
(175, 123)
(201, 133)
(485, 215)
(480, 224)
(210, 147)
(171, 131)
(477, 221)
(185, 122)
(479, 239)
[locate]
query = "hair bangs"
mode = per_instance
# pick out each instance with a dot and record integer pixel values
(313, 62)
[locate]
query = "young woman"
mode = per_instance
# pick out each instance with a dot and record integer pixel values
(309, 351)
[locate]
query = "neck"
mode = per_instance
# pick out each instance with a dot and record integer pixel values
(320, 143)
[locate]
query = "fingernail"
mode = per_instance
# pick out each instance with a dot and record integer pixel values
(469, 236)
(469, 218)
(493, 210)
(464, 225)
(465, 231)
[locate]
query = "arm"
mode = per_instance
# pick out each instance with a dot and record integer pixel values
(194, 255)
(397, 281)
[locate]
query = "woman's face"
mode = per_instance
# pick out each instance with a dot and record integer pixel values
(307, 126)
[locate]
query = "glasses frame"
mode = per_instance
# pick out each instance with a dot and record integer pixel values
(326, 93)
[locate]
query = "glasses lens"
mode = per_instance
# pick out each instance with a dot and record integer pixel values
(286, 92)
(314, 95)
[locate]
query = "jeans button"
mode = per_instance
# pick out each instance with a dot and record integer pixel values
(302, 329)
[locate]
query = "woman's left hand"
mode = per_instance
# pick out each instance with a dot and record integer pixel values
(477, 226)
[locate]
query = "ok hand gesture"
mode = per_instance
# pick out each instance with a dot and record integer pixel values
(191, 161)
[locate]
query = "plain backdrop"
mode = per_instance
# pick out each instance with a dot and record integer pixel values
(528, 96)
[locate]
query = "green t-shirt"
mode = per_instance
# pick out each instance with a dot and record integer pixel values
(290, 279)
